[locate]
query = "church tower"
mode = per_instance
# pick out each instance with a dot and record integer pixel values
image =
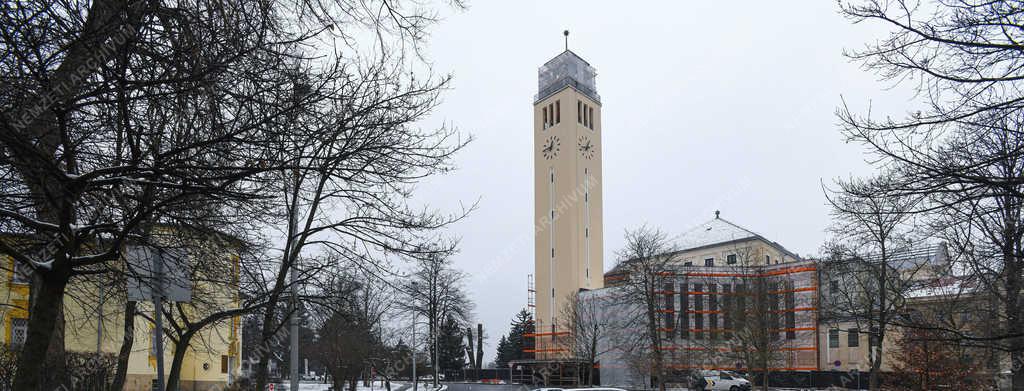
(567, 192)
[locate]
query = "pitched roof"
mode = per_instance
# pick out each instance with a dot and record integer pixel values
(718, 231)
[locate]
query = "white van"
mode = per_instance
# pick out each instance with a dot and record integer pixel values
(725, 381)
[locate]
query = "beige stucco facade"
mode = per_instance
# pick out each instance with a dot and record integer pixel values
(567, 198)
(94, 318)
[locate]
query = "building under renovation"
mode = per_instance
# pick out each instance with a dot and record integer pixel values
(727, 298)
(726, 295)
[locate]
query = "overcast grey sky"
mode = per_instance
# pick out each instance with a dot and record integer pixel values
(706, 105)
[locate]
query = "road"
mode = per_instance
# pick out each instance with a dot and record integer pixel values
(485, 387)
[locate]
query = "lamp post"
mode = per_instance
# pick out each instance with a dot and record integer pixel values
(414, 379)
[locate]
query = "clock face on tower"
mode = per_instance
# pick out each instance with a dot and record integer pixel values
(586, 147)
(551, 147)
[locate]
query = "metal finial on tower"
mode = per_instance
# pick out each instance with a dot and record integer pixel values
(566, 34)
(717, 213)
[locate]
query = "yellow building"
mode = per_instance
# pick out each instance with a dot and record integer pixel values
(94, 320)
(567, 191)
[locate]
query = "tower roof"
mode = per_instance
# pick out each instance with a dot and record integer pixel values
(567, 70)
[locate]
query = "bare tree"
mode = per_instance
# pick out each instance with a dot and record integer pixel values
(589, 330)
(644, 261)
(869, 262)
(435, 291)
(113, 111)
(962, 150)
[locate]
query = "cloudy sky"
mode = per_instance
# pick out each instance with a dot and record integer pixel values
(706, 106)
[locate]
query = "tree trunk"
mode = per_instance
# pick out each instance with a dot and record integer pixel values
(266, 335)
(44, 313)
(179, 356)
(126, 346)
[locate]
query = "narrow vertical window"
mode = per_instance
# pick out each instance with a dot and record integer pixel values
(790, 312)
(591, 117)
(833, 338)
(727, 311)
(579, 111)
(551, 113)
(558, 111)
(545, 110)
(853, 338)
(713, 310)
(698, 311)
(669, 314)
(773, 310)
(585, 120)
(684, 311)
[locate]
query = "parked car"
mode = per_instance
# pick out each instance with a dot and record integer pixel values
(595, 389)
(725, 381)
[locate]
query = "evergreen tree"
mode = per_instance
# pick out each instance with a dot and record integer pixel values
(518, 344)
(451, 348)
(520, 337)
(504, 353)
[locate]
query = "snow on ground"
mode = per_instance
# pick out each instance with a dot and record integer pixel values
(316, 386)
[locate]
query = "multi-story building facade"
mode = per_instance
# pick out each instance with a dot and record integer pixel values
(94, 318)
(726, 292)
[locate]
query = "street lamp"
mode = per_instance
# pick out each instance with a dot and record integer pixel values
(414, 379)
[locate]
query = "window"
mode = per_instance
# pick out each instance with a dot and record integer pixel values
(767, 259)
(698, 307)
(551, 113)
(545, 110)
(709, 262)
(558, 111)
(688, 263)
(22, 273)
(670, 307)
(873, 337)
(853, 338)
(712, 310)
(790, 313)
(223, 364)
(773, 306)
(579, 111)
(19, 331)
(684, 312)
(833, 338)
(585, 119)
(727, 311)
(591, 117)
(730, 259)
